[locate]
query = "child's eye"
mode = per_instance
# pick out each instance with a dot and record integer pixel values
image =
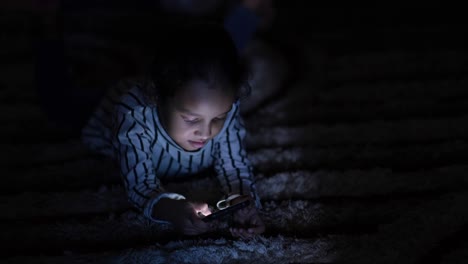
(191, 121)
(219, 119)
(188, 120)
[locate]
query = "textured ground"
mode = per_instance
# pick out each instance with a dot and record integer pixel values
(361, 159)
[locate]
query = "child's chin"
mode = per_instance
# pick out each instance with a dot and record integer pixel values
(189, 147)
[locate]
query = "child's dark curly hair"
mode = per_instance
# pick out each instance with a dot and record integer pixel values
(201, 51)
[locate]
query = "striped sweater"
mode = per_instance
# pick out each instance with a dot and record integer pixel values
(128, 129)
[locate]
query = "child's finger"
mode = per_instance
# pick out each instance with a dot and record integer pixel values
(203, 227)
(202, 208)
(256, 230)
(245, 234)
(235, 232)
(241, 233)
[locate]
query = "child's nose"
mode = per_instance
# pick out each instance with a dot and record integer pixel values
(204, 131)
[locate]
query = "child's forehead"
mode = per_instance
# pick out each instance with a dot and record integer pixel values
(199, 99)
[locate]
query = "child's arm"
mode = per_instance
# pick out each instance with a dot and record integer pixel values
(133, 144)
(232, 166)
(235, 175)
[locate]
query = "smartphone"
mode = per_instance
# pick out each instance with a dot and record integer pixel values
(220, 214)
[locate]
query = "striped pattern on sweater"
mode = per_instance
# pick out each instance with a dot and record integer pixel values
(127, 128)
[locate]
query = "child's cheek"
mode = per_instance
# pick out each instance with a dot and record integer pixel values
(189, 128)
(217, 128)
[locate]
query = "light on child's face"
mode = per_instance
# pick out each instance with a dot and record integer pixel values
(196, 114)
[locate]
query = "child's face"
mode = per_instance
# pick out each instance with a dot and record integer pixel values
(196, 114)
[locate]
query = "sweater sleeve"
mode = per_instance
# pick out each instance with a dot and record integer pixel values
(133, 142)
(232, 166)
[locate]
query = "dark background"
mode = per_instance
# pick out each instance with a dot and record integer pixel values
(362, 149)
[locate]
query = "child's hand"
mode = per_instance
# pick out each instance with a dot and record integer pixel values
(247, 223)
(189, 221)
(186, 216)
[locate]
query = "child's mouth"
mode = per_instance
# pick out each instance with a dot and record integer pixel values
(197, 144)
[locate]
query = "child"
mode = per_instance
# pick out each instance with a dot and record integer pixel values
(181, 120)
